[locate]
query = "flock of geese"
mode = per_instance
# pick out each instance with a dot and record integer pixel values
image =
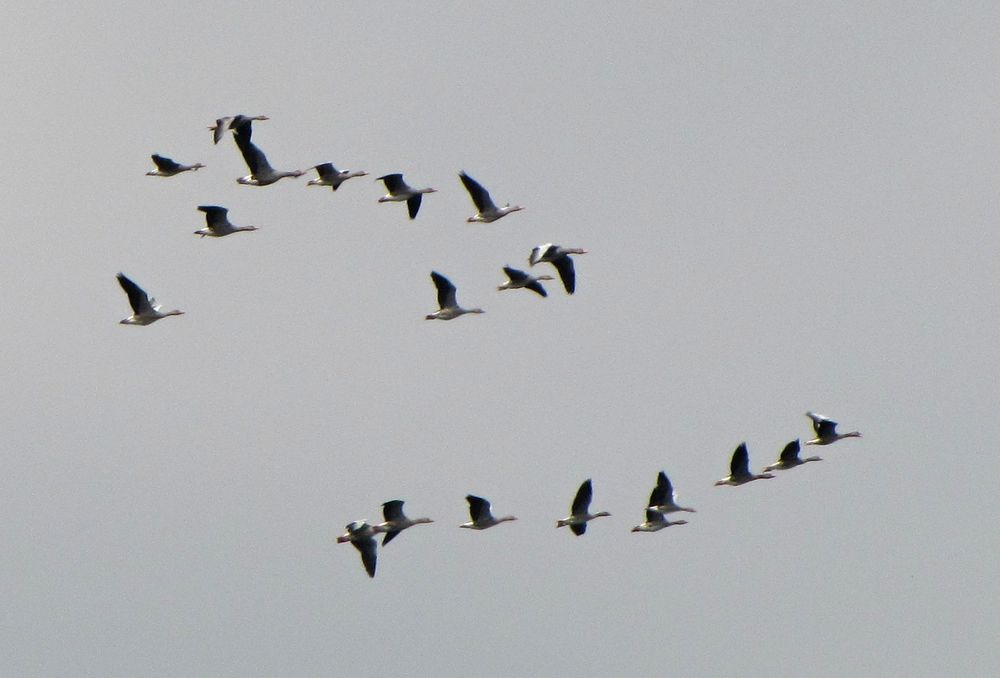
(662, 500)
(145, 310)
(360, 533)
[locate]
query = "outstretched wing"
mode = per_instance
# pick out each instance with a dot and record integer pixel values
(137, 298)
(165, 164)
(480, 196)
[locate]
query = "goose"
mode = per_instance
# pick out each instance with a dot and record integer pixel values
(396, 521)
(362, 535)
(580, 513)
(218, 223)
(448, 307)
(663, 499)
(826, 430)
(261, 172)
(739, 469)
(789, 458)
(482, 515)
(558, 257)
(144, 309)
(488, 211)
(521, 280)
(400, 191)
(333, 177)
(655, 521)
(165, 167)
(231, 122)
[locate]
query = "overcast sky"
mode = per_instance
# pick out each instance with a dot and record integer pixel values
(787, 206)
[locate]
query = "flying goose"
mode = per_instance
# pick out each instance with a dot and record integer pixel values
(362, 535)
(396, 521)
(790, 458)
(558, 257)
(655, 521)
(739, 469)
(217, 223)
(144, 309)
(826, 430)
(231, 122)
(481, 513)
(520, 279)
(663, 498)
(448, 307)
(488, 211)
(261, 172)
(165, 167)
(333, 177)
(400, 191)
(580, 513)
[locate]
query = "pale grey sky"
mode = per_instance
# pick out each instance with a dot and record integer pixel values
(788, 206)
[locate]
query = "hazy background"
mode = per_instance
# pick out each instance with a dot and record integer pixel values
(788, 206)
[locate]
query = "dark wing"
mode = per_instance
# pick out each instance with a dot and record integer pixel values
(653, 516)
(564, 265)
(165, 164)
(214, 215)
(740, 464)
(480, 196)
(137, 298)
(393, 182)
(663, 491)
(413, 205)
(254, 157)
(326, 171)
(368, 549)
(582, 501)
(446, 291)
(537, 288)
(478, 507)
(515, 275)
(393, 510)
(825, 428)
(790, 454)
(578, 528)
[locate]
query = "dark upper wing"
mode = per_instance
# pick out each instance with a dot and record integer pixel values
(393, 182)
(537, 288)
(368, 549)
(740, 464)
(326, 171)
(791, 452)
(137, 298)
(445, 290)
(165, 164)
(582, 501)
(663, 492)
(480, 196)
(254, 157)
(578, 528)
(477, 507)
(413, 204)
(214, 215)
(825, 428)
(564, 265)
(393, 510)
(515, 275)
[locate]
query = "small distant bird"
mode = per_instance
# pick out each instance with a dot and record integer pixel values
(488, 211)
(400, 191)
(362, 535)
(826, 430)
(261, 172)
(520, 279)
(333, 177)
(656, 521)
(482, 514)
(448, 307)
(396, 521)
(580, 513)
(145, 310)
(663, 498)
(218, 223)
(231, 122)
(789, 458)
(558, 257)
(165, 167)
(739, 469)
